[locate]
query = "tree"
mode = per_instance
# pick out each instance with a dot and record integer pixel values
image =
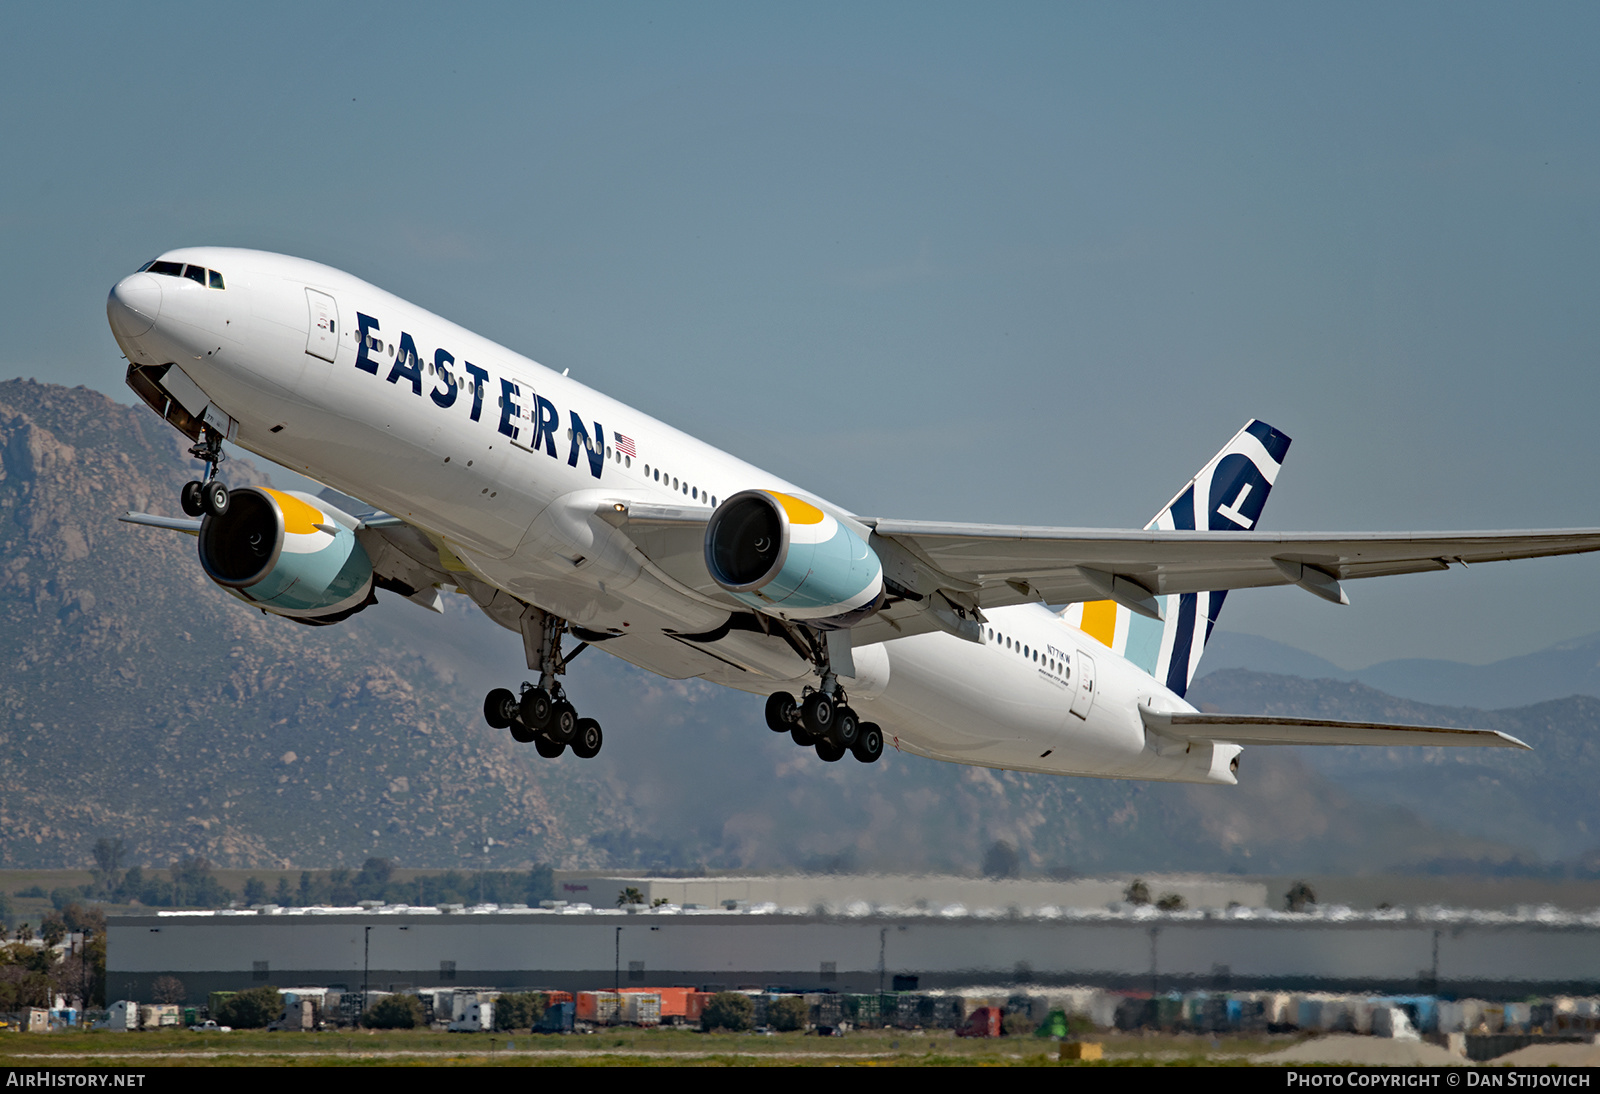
(373, 878)
(788, 1012)
(1137, 892)
(1172, 902)
(169, 989)
(253, 1009)
(1299, 897)
(519, 1010)
(630, 895)
(728, 1010)
(255, 891)
(283, 895)
(1001, 860)
(541, 884)
(401, 1011)
(53, 930)
(108, 864)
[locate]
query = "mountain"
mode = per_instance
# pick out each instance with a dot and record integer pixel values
(1566, 668)
(1540, 800)
(138, 700)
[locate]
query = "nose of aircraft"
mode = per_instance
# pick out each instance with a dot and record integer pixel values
(134, 304)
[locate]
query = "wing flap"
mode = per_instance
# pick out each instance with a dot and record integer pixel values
(1248, 729)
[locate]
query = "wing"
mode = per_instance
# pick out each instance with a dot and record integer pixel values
(1002, 565)
(1253, 730)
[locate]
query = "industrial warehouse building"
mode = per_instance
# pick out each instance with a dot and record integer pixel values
(860, 948)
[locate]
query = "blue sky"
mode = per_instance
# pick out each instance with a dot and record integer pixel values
(1029, 263)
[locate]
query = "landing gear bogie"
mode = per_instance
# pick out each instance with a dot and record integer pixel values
(542, 716)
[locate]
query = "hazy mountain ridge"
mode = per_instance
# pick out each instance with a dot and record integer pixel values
(1567, 668)
(141, 701)
(1541, 799)
(138, 700)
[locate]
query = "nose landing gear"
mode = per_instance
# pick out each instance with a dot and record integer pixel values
(542, 715)
(208, 495)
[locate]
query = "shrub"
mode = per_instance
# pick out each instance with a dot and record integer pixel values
(788, 1012)
(253, 1009)
(728, 1010)
(519, 1010)
(394, 1012)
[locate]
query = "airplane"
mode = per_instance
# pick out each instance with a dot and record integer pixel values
(567, 516)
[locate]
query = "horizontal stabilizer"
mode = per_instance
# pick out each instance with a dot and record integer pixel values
(171, 524)
(1246, 729)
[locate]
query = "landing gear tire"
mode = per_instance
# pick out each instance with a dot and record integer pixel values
(215, 498)
(801, 737)
(588, 739)
(563, 725)
(829, 751)
(816, 713)
(537, 708)
(500, 708)
(193, 498)
(781, 712)
(845, 728)
(547, 748)
(521, 733)
(869, 743)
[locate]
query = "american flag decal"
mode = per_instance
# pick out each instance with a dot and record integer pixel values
(625, 445)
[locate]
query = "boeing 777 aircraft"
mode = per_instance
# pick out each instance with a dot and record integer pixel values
(569, 517)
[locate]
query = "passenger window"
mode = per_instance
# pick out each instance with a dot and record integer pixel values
(196, 273)
(216, 283)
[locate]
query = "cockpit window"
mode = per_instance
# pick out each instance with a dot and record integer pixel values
(198, 274)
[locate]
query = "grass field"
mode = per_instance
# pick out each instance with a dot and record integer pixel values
(672, 1047)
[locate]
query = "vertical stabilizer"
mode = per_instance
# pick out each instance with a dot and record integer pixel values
(1227, 495)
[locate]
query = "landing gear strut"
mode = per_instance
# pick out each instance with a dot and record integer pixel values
(822, 719)
(541, 715)
(207, 495)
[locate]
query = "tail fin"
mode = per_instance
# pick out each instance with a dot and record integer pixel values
(1232, 488)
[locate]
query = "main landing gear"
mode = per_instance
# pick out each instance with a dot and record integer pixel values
(208, 495)
(541, 715)
(823, 720)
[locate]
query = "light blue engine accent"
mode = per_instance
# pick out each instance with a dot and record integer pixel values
(321, 579)
(820, 579)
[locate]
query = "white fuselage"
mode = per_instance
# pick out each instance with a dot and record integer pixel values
(429, 438)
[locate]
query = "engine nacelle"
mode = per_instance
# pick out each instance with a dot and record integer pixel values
(283, 554)
(786, 557)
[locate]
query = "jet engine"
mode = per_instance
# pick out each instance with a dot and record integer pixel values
(786, 557)
(283, 554)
